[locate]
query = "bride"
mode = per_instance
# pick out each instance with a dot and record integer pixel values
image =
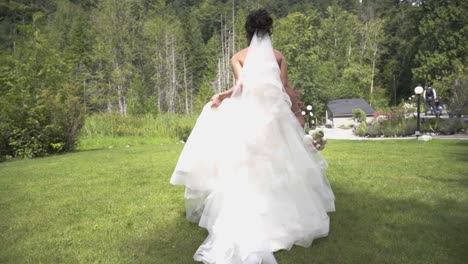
(250, 178)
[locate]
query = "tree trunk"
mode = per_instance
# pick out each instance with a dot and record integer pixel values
(122, 100)
(334, 33)
(157, 61)
(349, 53)
(191, 95)
(219, 76)
(364, 46)
(158, 84)
(233, 30)
(223, 53)
(173, 79)
(186, 88)
(394, 90)
(109, 102)
(374, 57)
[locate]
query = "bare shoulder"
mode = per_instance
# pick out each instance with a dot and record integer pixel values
(239, 56)
(279, 56)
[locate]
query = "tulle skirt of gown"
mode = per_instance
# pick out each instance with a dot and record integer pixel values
(252, 181)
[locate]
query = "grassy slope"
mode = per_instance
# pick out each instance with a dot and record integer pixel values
(397, 202)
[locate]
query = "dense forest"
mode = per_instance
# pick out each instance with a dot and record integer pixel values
(63, 59)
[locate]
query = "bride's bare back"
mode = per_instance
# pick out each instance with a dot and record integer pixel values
(239, 58)
(259, 22)
(237, 62)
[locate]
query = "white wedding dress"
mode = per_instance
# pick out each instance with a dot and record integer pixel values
(250, 178)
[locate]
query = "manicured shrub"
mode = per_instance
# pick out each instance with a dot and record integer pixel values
(451, 126)
(361, 129)
(407, 127)
(394, 124)
(359, 115)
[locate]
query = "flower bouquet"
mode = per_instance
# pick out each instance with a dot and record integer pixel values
(316, 138)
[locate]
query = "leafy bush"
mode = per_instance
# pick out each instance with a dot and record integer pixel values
(41, 110)
(374, 130)
(27, 142)
(447, 126)
(183, 132)
(51, 125)
(361, 129)
(394, 124)
(407, 127)
(410, 127)
(359, 115)
(429, 125)
(411, 110)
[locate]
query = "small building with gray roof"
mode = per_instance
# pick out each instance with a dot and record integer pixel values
(340, 112)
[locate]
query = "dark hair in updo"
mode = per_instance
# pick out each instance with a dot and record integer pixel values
(258, 21)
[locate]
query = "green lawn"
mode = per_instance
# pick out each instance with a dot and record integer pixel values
(398, 201)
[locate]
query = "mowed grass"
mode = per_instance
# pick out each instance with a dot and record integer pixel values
(398, 201)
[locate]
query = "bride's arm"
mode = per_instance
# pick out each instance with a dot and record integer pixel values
(236, 67)
(284, 78)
